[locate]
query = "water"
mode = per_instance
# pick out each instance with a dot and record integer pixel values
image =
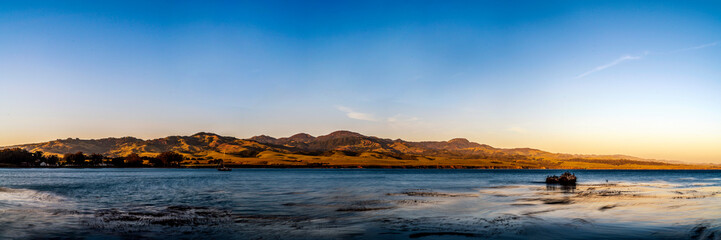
(356, 204)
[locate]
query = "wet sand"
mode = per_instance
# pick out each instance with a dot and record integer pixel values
(615, 210)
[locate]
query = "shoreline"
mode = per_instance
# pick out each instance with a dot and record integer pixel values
(364, 167)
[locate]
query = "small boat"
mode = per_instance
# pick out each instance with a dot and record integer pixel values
(566, 178)
(221, 167)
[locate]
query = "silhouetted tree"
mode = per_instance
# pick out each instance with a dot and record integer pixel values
(96, 159)
(38, 155)
(75, 158)
(170, 158)
(156, 162)
(52, 160)
(118, 161)
(15, 156)
(68, 157)
(133, 160)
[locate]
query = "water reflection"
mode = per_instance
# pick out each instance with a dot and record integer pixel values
(562, 188)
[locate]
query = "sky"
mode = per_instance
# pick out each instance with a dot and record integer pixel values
(641, 78)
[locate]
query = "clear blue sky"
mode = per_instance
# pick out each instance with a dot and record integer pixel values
(631, 77)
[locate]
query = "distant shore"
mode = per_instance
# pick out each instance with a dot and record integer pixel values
(339, 167)
(18, 157)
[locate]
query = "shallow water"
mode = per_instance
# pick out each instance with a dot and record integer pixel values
(357, 204)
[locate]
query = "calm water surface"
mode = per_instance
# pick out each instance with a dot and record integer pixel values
(356, 204)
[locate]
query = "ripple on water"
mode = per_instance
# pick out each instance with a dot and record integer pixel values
(148, 219)
(254, 204)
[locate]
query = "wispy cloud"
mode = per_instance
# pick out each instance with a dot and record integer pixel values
(631, 57)
(357, 115)
(696, 47)
(400, 118)
(395, 120)
(608, 65)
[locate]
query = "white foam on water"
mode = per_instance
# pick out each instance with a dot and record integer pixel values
(702, 184)
(31, 213)
(20, 197)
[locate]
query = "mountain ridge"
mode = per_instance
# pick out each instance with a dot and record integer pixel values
(342, 140)
(345, 149)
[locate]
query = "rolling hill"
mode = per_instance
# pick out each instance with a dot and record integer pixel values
(343, 149)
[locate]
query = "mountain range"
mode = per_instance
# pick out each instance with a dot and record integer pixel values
(339, 148)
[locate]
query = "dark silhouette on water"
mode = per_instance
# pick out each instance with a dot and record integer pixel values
(221, 166)
(566, 178)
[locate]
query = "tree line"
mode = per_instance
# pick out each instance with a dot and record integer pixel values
(23, 158)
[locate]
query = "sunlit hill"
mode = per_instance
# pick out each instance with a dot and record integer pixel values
(344, 149)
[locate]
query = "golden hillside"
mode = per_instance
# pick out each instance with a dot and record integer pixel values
(344, 149)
